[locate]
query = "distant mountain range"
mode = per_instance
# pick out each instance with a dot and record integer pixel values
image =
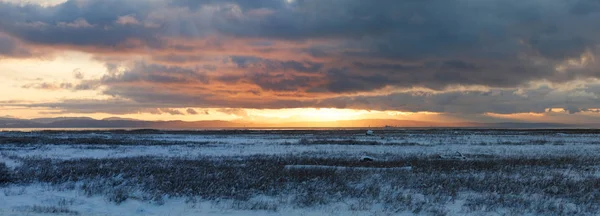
(115, 122)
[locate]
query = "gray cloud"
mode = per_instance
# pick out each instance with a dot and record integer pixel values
(281, 82)
(234, 111)
(460, 103)
(485, 34)
(266, 65)
(154, 73)
(437, 75)
(386, 28)
(77, 74)
(13, 48)
(191, 111)
(49, 86)
(501, 101)
(81, 23)
(171, 111)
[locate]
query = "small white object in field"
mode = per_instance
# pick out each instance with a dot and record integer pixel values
(367, 158)
(369, 133)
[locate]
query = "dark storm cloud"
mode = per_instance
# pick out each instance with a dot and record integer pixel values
(435, 75)
(386, 28)
(75, 23)
(463, 42)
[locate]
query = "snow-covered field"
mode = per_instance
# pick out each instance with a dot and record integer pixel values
(431, 172)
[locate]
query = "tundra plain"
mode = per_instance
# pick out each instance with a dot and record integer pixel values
(300, 172)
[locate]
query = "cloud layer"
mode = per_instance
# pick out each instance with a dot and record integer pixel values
(454, 56)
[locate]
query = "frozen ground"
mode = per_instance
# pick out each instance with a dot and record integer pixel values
(431, 172)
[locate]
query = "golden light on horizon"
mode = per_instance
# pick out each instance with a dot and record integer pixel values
(244, 115)
(311, 114)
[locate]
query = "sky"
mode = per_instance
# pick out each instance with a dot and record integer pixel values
(302, 60)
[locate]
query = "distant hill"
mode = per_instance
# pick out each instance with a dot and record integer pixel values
(84, 122)
(118, 119)
(50, 120)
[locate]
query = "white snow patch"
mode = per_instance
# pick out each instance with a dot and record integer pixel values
(20, 202)
(10, 163)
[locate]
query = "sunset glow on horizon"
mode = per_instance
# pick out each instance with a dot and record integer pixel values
(287, 61)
